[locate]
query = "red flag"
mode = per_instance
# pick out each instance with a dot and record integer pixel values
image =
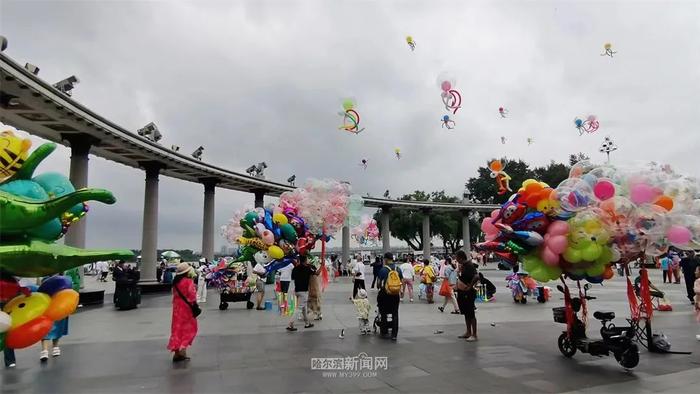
(632, 299)
(645, 294)
(324, 271)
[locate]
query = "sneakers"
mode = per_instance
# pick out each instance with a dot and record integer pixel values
(291, 328)
(697, 337)
(471, 339)
(56, 351)
(309, 325)
(441, 308)
(12, 365)
(43, 355)
(411, 300)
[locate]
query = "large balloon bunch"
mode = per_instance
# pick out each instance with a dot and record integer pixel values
(322, 203)
(597, 216)
(28, 317)
(37, 210)
(366, 232)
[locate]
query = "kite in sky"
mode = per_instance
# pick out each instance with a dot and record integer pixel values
(397, 152)
(411, 43)
(590, 125)
(447, 122)
(502, 111)
(608, 50)
(502, 179)
(351, 119)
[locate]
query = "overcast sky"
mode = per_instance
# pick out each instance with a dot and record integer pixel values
(263, 80)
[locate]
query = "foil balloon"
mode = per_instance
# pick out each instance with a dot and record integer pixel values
(502, 178)
(451, 98)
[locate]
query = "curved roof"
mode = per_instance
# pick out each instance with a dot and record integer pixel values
(31, 104)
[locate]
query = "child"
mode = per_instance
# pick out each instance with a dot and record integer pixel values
(696, 288)
(362, 308)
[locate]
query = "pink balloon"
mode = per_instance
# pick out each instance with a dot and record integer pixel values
(642, 193)
(679, 235)
(446, 86)
(268, 237)
(558, 227)
(557, 244)
(550, 258)
(604, 189)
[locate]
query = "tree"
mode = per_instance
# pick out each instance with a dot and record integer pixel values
(553, 174)
(483, 188)
(446, 225)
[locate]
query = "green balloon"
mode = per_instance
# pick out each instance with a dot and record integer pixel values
(289, 233)
(572, 255)
(250, 218)
(591, 252)
(595, 270)
(348, 104)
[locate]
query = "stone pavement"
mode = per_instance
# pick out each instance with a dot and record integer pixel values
(248, 351)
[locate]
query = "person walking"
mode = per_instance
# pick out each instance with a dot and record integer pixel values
(696, 288)
(259, 292)
(675, 267)
(358, 274)
(449, 281)
(362, 308)
(664, 261)
(301, 275)
(388, 298)
(315, 296)
(407, 280)
(183, 328)
(428, 279)
(202, 281)
(58, 330)
(688, 265)
(466, 294)
(376, 266)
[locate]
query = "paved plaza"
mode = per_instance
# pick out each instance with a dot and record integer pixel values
(248, 351)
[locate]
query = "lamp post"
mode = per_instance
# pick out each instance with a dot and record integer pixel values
(608, 146)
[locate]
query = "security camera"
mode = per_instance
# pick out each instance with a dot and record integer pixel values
(250, 170)
(175, 148)
(31, 68)
(150, 131)
(291, 180)
(260, 170)
(3, 43)
(197, 154)
(66, 86)
(386, 194)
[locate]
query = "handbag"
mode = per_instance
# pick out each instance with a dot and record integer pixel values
(196, 310)
(445, 289)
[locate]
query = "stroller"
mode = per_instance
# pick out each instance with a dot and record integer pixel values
(377, 323)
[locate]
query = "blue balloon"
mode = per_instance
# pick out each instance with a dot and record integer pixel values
(595, 279)
(55, 284)
(578, 122)
(268, 220)
(445, 118)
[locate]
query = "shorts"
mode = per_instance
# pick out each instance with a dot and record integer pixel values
(260, 285)
(284, 286)
(465, 301)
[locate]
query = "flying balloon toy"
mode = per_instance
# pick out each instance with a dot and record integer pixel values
(502, 111)
(411, 43)
(363, 164)
(447, 122)
(590, 125)
(608, 50)
(530, 140)
(397, 152)
(450, 97)
(502, 178)
(503, 140)
(351, 119)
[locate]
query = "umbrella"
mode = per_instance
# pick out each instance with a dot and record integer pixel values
(170, 255)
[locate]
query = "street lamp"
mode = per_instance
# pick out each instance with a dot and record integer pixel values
(607, 146)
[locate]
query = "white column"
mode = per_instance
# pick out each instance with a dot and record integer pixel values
(208, 220)
(426, 233)
(149, 237)
(466, 243)
(386, 232)
(80, 149)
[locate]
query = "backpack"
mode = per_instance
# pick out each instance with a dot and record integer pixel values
(393, 283)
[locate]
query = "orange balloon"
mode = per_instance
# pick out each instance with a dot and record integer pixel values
(533, 188)
(665, 202)
(496, 166)
(608, 273)
(28, 333)
(63, 303)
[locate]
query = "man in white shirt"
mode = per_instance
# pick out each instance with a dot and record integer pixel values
(103, 270)
(407, 281)
(358, 274)
(201, 281)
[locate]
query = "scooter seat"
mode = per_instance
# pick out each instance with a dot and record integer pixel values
(604, 315)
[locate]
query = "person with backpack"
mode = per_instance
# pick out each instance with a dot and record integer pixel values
(388, 299)
(428, 279)
(466, 294)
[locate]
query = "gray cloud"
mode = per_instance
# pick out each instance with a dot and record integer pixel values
(264, 80)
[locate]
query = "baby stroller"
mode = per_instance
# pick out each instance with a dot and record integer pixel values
(377, 324)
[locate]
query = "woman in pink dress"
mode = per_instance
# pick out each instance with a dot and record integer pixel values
(184, 324)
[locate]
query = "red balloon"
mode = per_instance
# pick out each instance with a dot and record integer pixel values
(28, 333)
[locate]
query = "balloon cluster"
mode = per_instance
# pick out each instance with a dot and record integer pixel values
(228, 276)
(322, 203)
(597, 216)
(37, 210)
(366, 232)
(28, 317)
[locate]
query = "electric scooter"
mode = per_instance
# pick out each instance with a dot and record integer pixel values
(615, 340)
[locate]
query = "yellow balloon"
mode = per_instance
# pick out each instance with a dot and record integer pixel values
(23, 308)
(280, 219)
(275, 252)
(528, 182)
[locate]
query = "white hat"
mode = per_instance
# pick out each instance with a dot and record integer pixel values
(183, 268)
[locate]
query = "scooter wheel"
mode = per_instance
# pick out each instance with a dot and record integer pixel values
(566, 347)
(629, 358)
(223, 306)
